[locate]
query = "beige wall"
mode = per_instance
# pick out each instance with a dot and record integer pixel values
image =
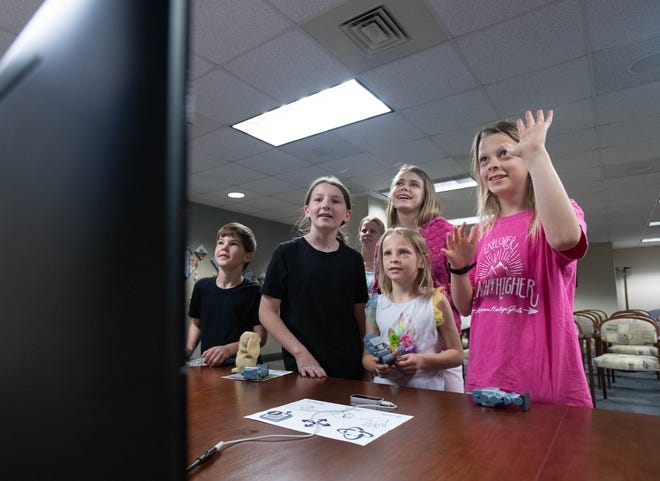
(643, 278)
(595, 280)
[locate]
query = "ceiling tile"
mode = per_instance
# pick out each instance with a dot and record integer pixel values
(464, 110)
(628, 104)
(421, 150)
(612, 67)
(621, 154)
(303, 70)
(232, 174)
(268, 186)
(321, 148)
(224, 98)
(303, 177)
(543, 89)
(524, 44)
(633, 130)
(202, 125)
(405, 82)
(354, 165)
(230, 144)
(613, 22)
(300, 10)
(572, 142)
(273, 162)
(227, 28)
(200, 161)
(378, 131)
(17, 13)
(464, 16)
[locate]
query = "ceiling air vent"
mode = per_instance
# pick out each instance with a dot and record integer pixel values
(374, 31)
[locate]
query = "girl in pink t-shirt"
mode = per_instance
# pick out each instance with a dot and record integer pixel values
(520, 296)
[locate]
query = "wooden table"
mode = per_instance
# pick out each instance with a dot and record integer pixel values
(449, 437)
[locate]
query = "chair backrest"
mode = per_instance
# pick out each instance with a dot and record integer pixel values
(629, 330)
(586, 323)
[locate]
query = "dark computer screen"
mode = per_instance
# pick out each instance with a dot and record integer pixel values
(92, 189)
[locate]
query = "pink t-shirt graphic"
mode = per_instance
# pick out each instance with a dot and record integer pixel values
(522, 335)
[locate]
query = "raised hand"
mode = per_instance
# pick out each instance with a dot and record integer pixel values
(532, 134)
(461, 247)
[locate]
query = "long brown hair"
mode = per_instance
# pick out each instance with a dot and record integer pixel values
(424, 279)
(430, 207)
(303, 225)
(488, 205)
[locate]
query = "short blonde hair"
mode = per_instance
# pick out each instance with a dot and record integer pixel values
(374, 219)
(424, 278)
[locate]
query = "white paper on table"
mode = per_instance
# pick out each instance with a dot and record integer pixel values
(334, 421)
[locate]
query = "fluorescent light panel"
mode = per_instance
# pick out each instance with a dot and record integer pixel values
(331, 108)
(468, 220)
(654, 223)
(651, 239)
(455, 184)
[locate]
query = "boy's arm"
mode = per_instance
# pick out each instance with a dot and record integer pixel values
(193, 337)
(215, 356)
(261, 330)
(269, 316)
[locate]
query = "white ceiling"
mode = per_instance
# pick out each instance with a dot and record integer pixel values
(469, 62)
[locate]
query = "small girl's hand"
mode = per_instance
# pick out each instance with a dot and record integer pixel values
(461, 248)
(532, 134)
(382, 370)
(409, 364)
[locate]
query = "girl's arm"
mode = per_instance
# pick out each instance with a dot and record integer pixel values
(370, 362)
(460, 252)
(269, 316)
(361, 318)
(451, 356)
(558, 218)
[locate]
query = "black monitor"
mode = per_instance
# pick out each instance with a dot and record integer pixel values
(92, 189)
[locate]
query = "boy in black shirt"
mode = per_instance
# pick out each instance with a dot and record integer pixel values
(224, 307)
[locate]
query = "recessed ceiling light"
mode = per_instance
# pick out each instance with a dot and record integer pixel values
(236, 195)
(651, 239)
(331, 108)
(654, 223)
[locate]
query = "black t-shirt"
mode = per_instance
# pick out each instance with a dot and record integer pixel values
(224, 314)
(318, 292)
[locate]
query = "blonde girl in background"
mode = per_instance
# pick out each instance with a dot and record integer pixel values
(411, 315)
(314, 293)
(413, 204)
(371, 228)
(520, 295)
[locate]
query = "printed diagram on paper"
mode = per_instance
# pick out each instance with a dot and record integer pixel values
(334, 421)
